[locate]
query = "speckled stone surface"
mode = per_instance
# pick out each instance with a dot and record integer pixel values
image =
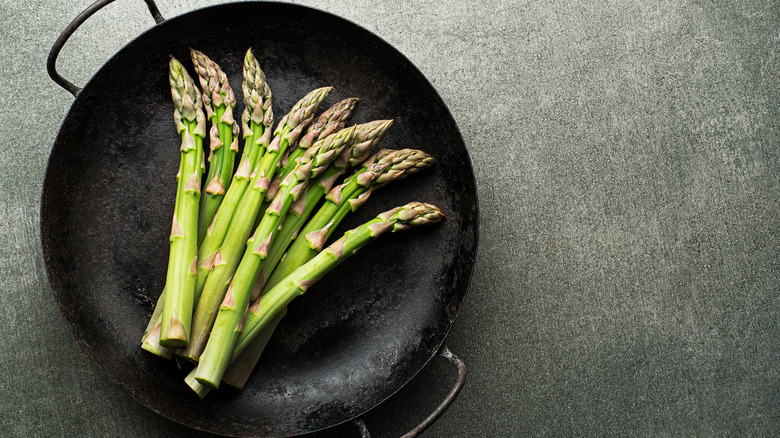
(626, 155)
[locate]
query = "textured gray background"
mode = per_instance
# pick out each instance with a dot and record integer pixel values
(626, 154)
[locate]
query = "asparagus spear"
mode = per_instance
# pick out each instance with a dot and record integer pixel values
(218, 101)
(214, 276)
(151, 338)
(384, 167)
(240, 368)
(226, 327)
(366, 136)
(180, 279)
(330, 121)
(256, 122)
(277, 298)
(256, 119)
(272, 303)
(258, 116)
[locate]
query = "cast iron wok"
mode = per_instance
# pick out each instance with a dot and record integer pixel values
(357, 336)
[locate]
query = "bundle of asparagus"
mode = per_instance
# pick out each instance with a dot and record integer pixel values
(225, 291)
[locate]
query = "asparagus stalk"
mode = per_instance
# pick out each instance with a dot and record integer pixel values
(240, 368)
(151, 339)
(275, 300)
(214, 276)
(227, 325)
(270, 308)
(330, 121)
(366, 136)
(180, 279)
(219, 102)
(256, 121)
(387, 164)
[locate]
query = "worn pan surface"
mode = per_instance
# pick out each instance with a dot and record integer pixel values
(352, 340)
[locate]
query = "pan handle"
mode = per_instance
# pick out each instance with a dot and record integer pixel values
(436, 413)
(51, 63)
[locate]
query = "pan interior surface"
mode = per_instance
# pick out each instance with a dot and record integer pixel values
(357, 336)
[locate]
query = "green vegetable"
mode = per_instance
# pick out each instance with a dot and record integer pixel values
(180, 279)
(214, 277)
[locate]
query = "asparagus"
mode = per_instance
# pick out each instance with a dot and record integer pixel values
(258, 116)
(180, 279)
(227, 325)
(218, 101)
(151, 339)
(385, 166)
(366, 136)
(277, 298)
(214, 276)
(330, 121)
(240, 368)
(256, 122)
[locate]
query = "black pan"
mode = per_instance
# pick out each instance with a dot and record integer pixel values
(351, 341)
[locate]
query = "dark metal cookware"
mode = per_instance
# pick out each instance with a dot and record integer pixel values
(351, 341)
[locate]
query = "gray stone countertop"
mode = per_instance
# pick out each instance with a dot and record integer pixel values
(626, 156)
